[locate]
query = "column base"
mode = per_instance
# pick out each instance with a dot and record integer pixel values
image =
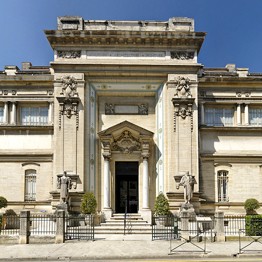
(106, 214)
(146, 215)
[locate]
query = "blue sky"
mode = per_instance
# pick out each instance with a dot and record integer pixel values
(234, 27)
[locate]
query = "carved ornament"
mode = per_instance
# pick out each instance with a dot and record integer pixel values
(68, 99)
(182, 55)
(182, 87)
(183, 108)
(69, 54)
(126, 143)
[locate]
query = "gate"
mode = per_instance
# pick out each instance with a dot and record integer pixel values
(79, 227)
(164, 227)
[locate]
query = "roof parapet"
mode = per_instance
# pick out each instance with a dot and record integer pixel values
(242, 72)
(11, 70)
(173, 24)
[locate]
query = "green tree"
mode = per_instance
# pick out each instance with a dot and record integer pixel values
(89, 203)
(161, 207)
(3, 202)
(251, 205)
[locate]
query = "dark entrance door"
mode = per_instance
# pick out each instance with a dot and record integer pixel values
(126, 187)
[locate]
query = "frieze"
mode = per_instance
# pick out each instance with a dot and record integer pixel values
(112, 109)
(69, 54)
(182, 55)
(115, 54)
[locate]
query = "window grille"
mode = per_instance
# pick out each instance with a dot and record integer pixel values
(222, 179)
(35, 116)
(219, 116)
(255, 116)
(30, 185)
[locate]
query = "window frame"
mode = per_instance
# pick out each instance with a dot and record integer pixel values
(34, 118)
(30, 185)
(222, 186)
(223, 122)
(258, 116)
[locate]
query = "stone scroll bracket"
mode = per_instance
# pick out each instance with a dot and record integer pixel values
(183, 108)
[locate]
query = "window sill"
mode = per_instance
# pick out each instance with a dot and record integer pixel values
(231, 128)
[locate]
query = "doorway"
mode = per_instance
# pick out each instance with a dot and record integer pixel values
(126, 187)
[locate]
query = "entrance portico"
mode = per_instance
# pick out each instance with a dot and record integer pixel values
(126, 150)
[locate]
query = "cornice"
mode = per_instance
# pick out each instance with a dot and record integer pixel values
(105, 38)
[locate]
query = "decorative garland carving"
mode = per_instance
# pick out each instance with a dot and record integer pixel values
(182, 55)
(183, 108)
(69, 54)
(182, 87)
(126, 143)
(68, 99)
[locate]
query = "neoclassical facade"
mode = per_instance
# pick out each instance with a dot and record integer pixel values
(126, 108)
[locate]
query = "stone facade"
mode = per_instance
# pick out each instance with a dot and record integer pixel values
(126, 109)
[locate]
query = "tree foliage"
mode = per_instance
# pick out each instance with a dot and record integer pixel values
(3, 202)
(89, 203)
(161, 205)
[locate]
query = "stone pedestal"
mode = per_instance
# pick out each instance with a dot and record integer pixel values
(107, 214)
(146, 215)
(187, 208)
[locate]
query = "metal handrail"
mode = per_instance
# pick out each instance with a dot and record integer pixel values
(125, 216)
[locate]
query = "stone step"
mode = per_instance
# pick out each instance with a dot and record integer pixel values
(120, 230)
(121, 223)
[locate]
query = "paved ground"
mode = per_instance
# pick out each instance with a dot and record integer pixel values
(119, 247)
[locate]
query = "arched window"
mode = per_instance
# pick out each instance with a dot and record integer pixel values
(30, 185)
(222, 183)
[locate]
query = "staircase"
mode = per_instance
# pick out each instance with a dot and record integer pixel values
(115, 225)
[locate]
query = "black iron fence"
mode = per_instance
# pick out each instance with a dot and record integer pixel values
(164, 227)
(233, 223)
(42, 225)
(10, 225)
(75, 227)
(79, 227)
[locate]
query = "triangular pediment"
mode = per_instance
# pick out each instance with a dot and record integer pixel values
(126, 125)
(125, 137)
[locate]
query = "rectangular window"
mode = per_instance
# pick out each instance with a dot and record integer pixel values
(219, 116)
(222, 179)
(30, 185)
(34, 116)
(1, 114)
(255, 116)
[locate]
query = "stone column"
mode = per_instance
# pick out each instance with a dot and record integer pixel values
(246, 114)
(145, 211)
(5, 120)
(24, 231)
(50, 113)
(13, 115)
(219, 227)
(107, 206)
(145, 183)
(106, 183)
(202, 114)
(238, 114)
(60, 227)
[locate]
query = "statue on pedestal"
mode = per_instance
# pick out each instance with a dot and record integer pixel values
(187, 181)
(64, 183)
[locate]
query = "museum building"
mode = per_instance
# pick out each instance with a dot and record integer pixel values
(125, 108)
